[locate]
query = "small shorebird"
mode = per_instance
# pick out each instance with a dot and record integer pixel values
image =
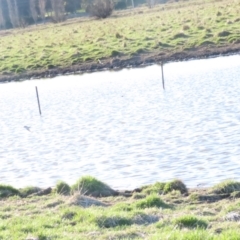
(27, 128)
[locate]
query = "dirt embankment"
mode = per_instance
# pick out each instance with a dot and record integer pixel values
(117, 63)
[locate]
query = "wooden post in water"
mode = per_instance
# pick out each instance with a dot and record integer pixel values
(163, 84)
(39, 107)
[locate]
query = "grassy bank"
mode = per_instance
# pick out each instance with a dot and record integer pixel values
(162, 31)
(92, 210)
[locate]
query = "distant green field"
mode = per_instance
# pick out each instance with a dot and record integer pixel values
(165, 211)
(165, 28)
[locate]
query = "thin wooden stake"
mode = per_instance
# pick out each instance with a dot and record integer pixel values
(163, 84)
(132, 3)
(39, 107)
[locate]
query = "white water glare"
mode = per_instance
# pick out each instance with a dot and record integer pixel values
(122, 128)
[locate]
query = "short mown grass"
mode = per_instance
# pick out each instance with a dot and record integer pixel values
(167, 28)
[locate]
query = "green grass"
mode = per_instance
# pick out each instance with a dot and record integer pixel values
(175, 185)
(62, 188)
(164, 188)
(91, 186)
(165, 29)
(228, 186)
(190, 222)
(151, 201)
(7, 191)
(158, 187)
(147, 216)
(24, 192)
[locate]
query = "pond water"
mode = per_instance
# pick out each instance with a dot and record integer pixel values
(122, 128)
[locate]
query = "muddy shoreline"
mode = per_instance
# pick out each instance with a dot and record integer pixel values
(121, 62)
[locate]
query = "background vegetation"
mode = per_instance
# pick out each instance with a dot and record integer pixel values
(20, 13)
(168, 28)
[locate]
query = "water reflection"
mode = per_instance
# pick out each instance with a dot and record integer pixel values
(123, 128)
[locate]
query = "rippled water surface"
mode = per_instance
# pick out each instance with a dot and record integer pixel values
(122, 128)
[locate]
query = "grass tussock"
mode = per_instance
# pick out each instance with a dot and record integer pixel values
(62, 188)
(24, 192)
(190, 222)
(103, 221)
(147, 216)
(84, 201)
(158, 187)
(175, 185)
(227, 186)
(164, 188)
(180, 35)
(92, 187)
(8, 191)
(150, 202)
(235, 194)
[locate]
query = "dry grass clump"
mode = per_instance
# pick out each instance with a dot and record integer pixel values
(84, 201)
(235, 194)
(144, 219)
(186, 27)
(138, 196)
